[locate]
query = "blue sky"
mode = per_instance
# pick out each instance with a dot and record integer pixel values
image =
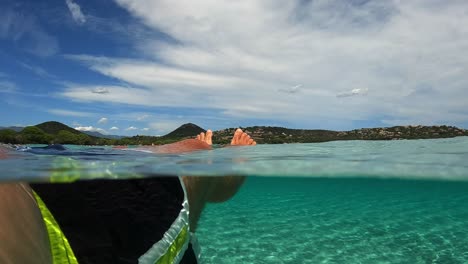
(145, 67)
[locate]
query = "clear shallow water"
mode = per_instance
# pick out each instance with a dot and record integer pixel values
(434, 159)
(335, 202)
(309, 220)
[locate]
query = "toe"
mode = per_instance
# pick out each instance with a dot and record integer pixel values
(244, 138)
(236, 137)
(208, 137)
(238, 133)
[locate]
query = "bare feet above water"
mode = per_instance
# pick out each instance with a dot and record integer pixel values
(241, 138)
(206, 137)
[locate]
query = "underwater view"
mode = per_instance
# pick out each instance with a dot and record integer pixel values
(338, 220)
(233, 132)
(334, 202)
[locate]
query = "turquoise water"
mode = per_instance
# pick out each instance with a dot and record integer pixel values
(442, 159)
(307, 220)
(335, 202)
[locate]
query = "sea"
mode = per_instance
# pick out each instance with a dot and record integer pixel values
(401, 201)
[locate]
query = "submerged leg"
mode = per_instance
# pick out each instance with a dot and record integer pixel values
(23, 235)
(201, 190)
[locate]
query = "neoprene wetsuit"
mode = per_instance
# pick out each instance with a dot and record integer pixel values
(119, 221)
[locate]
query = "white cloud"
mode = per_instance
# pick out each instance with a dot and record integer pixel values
(7, 87)
(291, 90)
(114, 128)
(131, 128)
(75, 11)
(165, 126)
(102, 120)
(100, 90)
(234, 57)
(135, 96)
(143, 117)
(39, 71)
(153, 74)
(62, 112)
(353, 92)
(145, 129)
(91, 129)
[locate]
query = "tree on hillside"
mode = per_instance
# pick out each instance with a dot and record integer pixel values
(66, 137)
(8, 136)
(83, 139)
(32, 134)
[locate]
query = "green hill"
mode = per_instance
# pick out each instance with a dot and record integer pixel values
(55, 132)
(53, 127)
(185, 130)
(188, 130)
(49, 132)
(279, 135)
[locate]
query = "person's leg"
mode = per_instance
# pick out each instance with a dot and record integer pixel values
(23, 235)
(201, 190)
(24, 238)
(202, 142)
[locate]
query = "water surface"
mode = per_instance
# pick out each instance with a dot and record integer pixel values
(443, 159)
(335, 202)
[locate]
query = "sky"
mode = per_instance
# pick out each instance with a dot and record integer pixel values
(129, 67)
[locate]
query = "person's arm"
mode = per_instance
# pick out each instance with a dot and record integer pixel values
(23, 235)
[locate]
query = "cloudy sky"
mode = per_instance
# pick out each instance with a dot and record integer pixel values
(147, 66)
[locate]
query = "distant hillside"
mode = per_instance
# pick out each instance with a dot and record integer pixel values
(14, 128)
(185, 130)
(188, 130)
(278, 135)
(53, 128)
(99, 135)
(55, 132)
(50, 132)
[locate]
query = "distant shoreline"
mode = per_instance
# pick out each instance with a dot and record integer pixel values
(55, 132)
(278, 135)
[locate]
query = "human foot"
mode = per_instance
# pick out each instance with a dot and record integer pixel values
(241, 138)
(206, 137)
